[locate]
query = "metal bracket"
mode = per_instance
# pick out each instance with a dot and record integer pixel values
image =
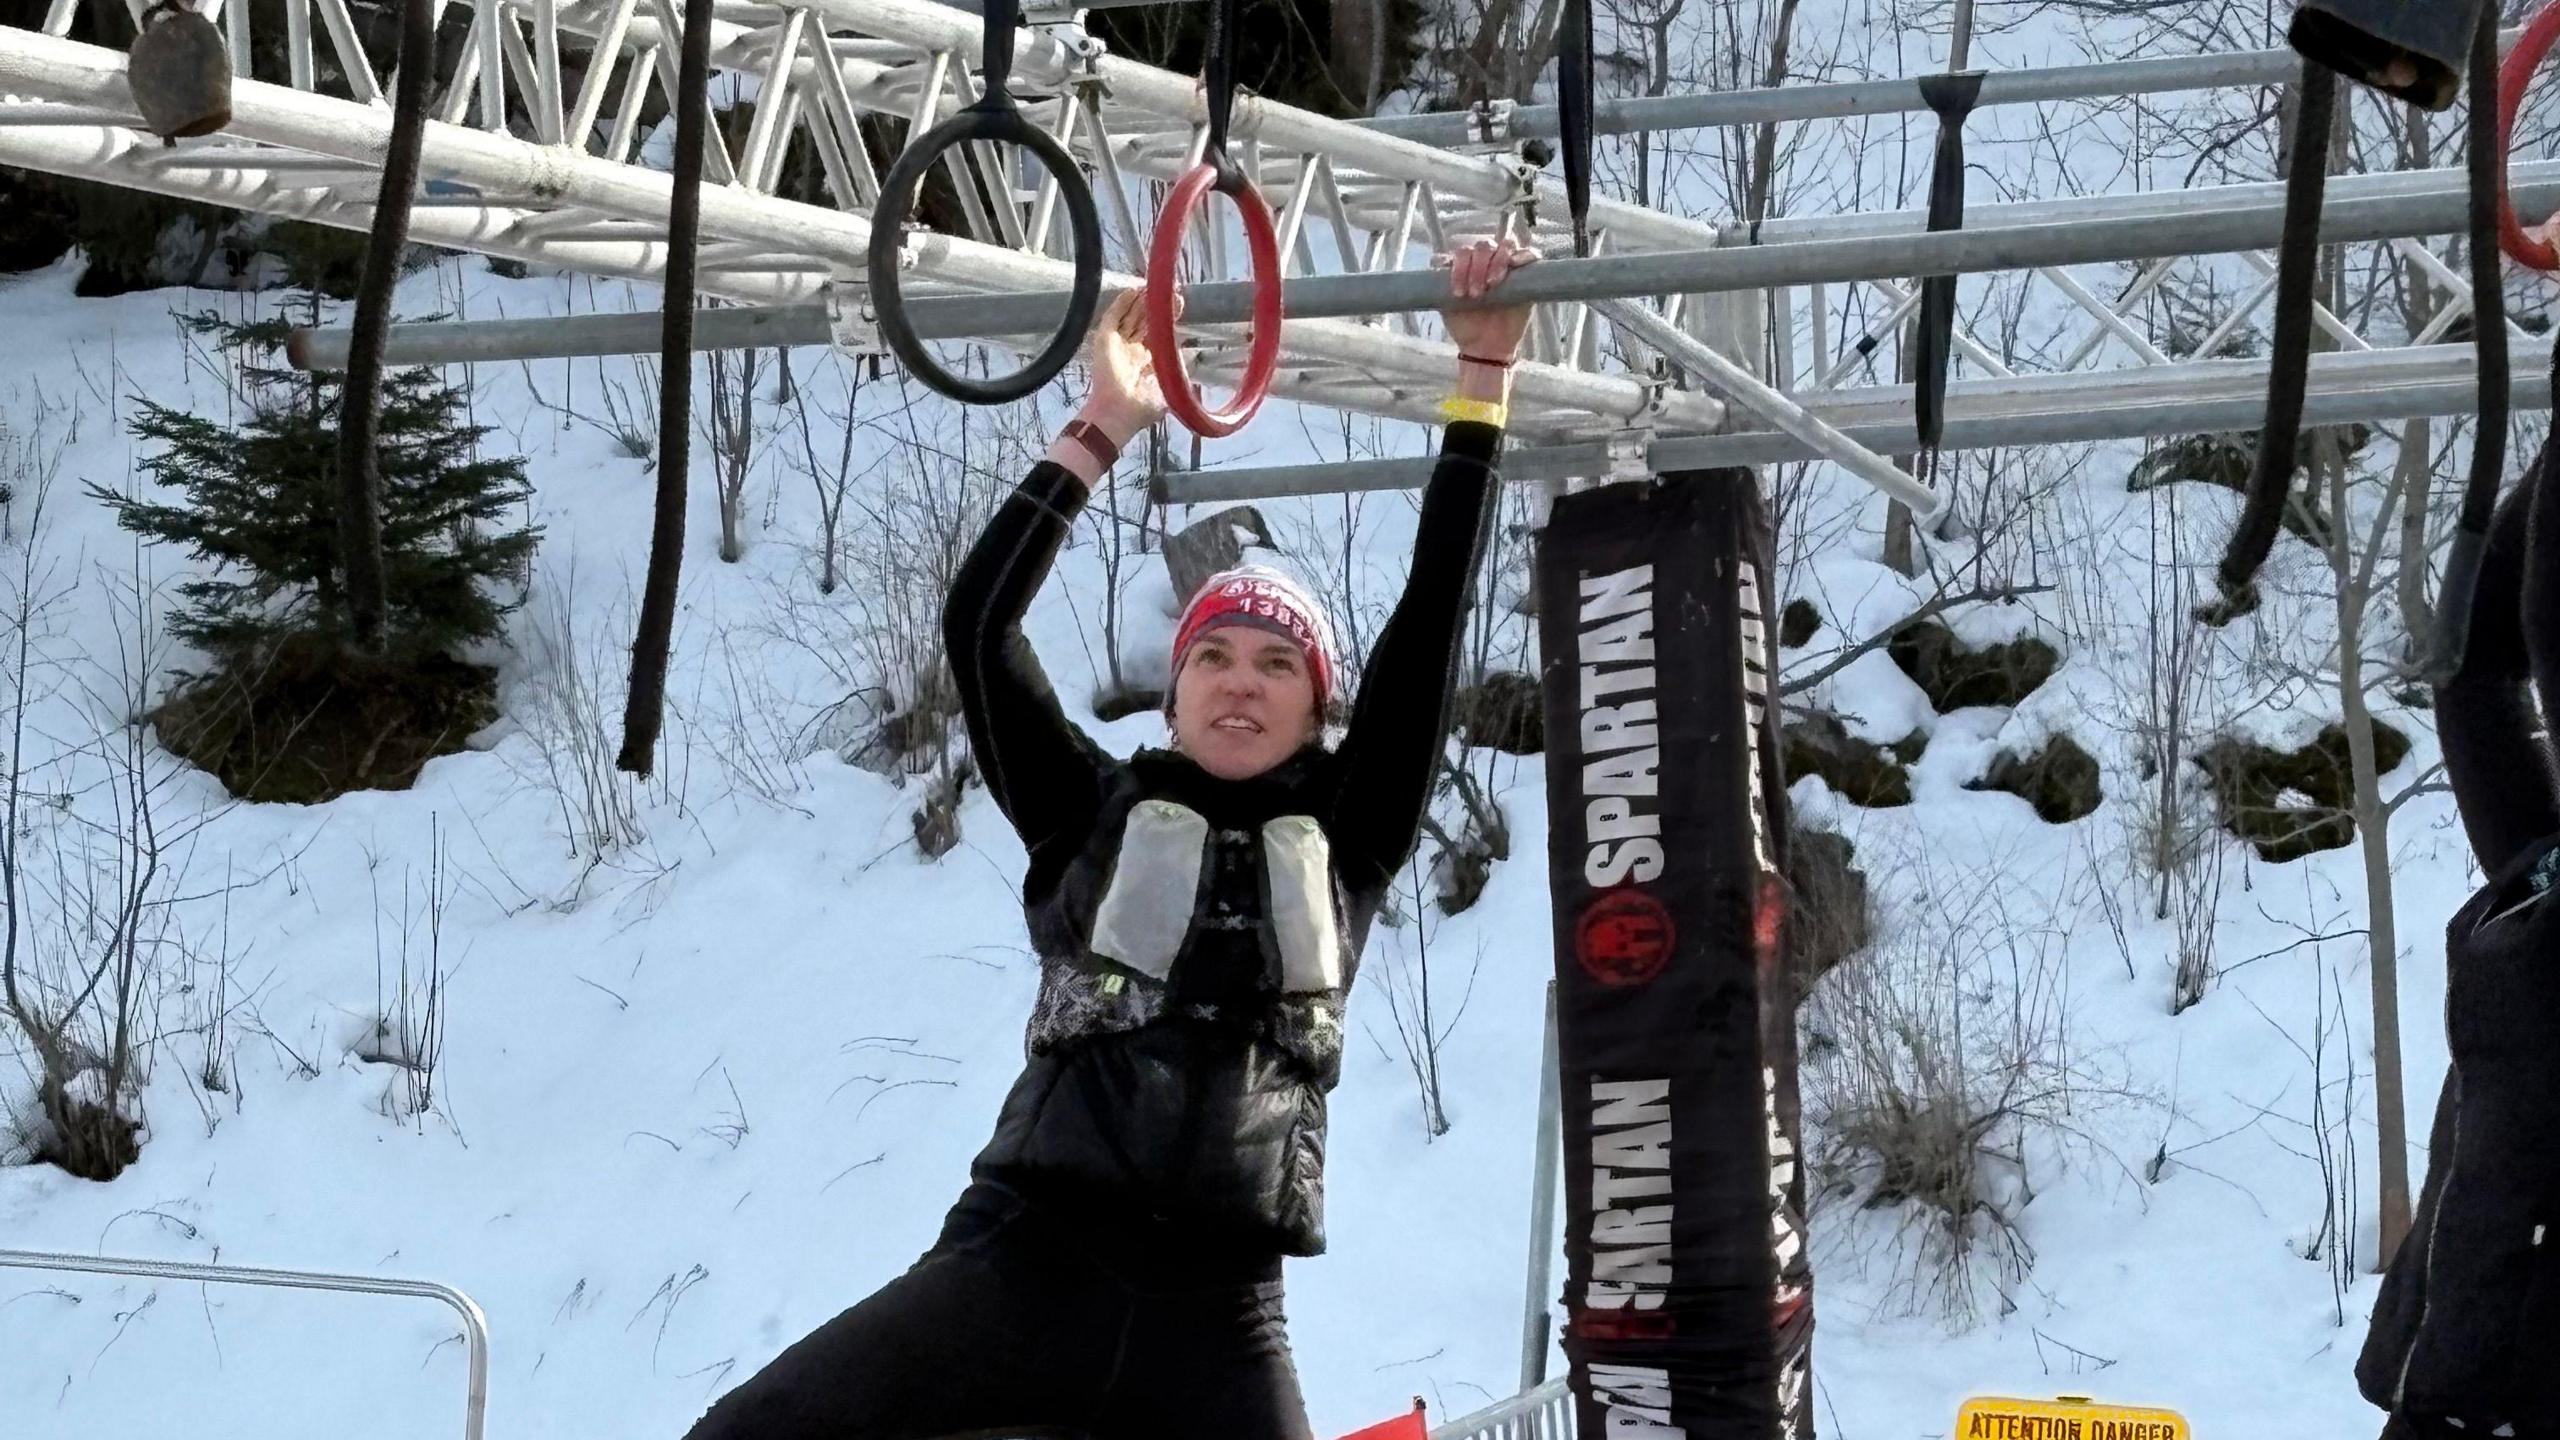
(1089, 82)
(852, 327)
(1632, 454)
(1065, 23)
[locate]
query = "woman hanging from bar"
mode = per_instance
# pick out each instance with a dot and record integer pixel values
(1113, 1269)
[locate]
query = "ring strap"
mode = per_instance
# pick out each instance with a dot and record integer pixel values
(1218, 74)
(2289, 349)
(995, 63)
(1952, 97)
(1573, 96)
(2487, 163)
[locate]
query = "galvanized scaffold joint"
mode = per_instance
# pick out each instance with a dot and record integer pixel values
(1088, 82)
(1065, 23)
(1631, 454)
(1523, 199)
(1631, 444)
(853, 327)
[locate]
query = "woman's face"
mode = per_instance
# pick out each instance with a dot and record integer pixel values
(1243, 701)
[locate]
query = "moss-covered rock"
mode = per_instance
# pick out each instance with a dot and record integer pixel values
(1505, 712)
(1829, 920)
(2060, 780)
(1798, 623)
(2251, 783)
(1954, 675)
(311, 721)
(2227, 460)
(1208, 545)
(1859, 770)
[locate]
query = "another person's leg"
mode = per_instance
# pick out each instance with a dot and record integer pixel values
(1207, 1361)
(983, 1336)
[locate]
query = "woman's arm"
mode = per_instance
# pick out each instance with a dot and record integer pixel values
(1390, 760)
(1044, 772)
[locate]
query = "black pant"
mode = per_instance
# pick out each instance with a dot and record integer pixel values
(1024, 1320)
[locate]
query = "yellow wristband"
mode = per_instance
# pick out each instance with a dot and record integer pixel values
(1483, 412)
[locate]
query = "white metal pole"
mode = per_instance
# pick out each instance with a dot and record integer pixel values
(1544, 1171)
(475, 1325)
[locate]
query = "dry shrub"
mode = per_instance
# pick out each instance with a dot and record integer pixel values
(1940, 1084)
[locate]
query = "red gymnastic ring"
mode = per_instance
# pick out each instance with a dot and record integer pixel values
(1164, 283)
(2513, 77)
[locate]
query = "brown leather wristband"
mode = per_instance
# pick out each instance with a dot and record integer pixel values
(1090, 436)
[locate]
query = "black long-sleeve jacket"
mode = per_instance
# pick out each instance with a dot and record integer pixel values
(1195, 1097)
(2465, 1338)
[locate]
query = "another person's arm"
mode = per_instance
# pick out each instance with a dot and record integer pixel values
(1044, 772)
(2495, 754)
(1390, 758)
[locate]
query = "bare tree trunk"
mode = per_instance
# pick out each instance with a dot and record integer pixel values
(1537, 43)
(2417, 437)
(2417, 480)
(360, 398)
(2372, 823)
(1355, 61)
(733, 415)
(1899, 553)
(1764, 145)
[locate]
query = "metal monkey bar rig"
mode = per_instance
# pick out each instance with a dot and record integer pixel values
(534, 159)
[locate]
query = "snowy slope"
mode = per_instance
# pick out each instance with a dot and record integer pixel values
(694, 1101)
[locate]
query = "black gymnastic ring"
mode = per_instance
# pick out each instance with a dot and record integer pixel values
(994, 118)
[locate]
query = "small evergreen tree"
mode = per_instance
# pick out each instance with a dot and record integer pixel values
(262, 503)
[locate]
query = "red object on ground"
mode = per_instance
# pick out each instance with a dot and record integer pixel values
(2513, 76)
(1403, 1427)
(1164, 283)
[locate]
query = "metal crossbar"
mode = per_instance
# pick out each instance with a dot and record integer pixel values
(475, 1325)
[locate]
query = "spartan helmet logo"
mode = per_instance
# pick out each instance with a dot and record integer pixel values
(1625, 936)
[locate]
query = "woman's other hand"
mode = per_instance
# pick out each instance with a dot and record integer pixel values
(1126, 398)
(1475, 271)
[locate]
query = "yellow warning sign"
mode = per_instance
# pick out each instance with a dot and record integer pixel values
(2072, 1417)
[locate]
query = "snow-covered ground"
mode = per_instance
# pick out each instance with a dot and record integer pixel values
(694, 1099)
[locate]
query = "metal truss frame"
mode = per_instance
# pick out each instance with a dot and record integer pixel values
(536, 157)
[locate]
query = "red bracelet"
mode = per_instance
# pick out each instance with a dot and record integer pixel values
(1465, 358)
(1090, 436)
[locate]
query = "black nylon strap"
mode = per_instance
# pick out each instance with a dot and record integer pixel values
(1218, 74)
(2489, 341)
(1952, 97)
(2289, 363)
(1573, 106)
(995, 63)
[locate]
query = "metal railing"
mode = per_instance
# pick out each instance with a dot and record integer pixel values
(1545, 1413)
(475, 1326)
